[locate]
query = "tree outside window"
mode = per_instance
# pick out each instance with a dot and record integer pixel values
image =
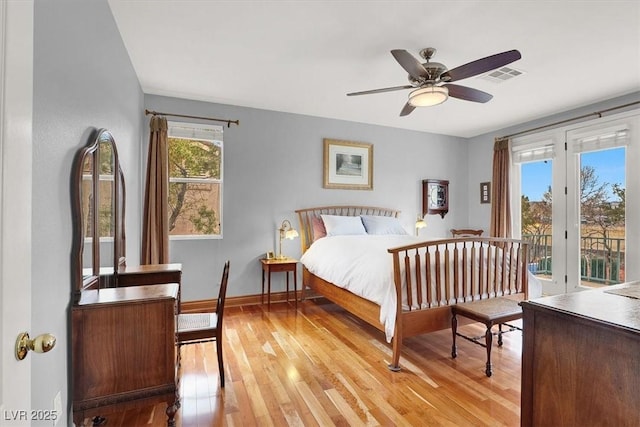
(195, 180)
(602, 221)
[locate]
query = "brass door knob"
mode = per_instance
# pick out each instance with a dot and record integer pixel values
(40, 344)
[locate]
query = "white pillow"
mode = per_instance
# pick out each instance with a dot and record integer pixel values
(342, 225)
(375, 224)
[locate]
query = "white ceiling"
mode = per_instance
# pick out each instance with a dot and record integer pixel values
(304, 56)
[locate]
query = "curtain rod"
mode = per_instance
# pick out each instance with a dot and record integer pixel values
(597, 113)
(228, 122)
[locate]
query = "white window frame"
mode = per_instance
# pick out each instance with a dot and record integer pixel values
(217, 129)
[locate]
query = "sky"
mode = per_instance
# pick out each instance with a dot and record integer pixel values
(609, 166)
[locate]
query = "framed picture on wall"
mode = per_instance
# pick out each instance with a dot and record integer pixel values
(485, 192)
(348, 165)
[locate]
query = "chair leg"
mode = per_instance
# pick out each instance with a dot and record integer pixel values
(454, 330)
(179, 363)
(220, 362)
(488, 338)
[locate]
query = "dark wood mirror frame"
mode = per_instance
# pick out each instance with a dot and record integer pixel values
(87, 165)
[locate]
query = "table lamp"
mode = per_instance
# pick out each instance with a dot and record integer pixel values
(286, 232)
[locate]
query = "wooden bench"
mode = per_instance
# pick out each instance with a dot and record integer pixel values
(492, 311)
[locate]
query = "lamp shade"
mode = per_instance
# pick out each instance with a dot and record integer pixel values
(428, 96)
(291, 234)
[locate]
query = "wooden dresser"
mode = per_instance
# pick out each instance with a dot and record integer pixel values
(123, 349)
(581, 359)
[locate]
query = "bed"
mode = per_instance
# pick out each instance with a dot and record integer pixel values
(426, 276)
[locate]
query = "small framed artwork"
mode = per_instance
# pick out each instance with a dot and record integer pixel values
(485, 192)
(348, 165)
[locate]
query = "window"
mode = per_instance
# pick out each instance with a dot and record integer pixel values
(195, 180)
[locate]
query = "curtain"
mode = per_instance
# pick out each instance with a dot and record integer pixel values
(155, 228)
(500, 188)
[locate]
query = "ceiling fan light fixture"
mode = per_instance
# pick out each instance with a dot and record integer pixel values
(428, 96)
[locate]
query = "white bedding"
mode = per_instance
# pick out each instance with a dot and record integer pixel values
(362, 265)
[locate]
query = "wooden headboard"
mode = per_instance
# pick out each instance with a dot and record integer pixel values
(305, 216)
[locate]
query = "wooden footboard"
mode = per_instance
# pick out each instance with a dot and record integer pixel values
(429, 277)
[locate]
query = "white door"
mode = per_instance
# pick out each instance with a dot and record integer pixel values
(582, 233)
(16, 93)
(539, 205)
(602, 165)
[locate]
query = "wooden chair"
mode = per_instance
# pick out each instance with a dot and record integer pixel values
(196, 328)
(464, 232)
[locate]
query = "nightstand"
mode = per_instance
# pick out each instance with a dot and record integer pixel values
(277, 265)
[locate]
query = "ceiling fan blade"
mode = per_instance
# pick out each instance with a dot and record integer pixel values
(480, 66)
(410, 64)
(468, 94)
(407, 109)
(386, 89)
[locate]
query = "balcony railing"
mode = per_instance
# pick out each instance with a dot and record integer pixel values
(601, 259)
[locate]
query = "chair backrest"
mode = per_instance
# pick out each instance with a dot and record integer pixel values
(222, 295)
(461, 232)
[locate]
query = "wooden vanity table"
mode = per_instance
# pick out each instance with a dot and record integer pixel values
(123, 318)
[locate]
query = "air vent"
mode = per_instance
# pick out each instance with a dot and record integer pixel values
(501, 74)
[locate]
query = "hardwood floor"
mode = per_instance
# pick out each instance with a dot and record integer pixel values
(319, 366)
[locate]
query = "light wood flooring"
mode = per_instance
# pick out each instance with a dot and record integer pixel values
(320, 366)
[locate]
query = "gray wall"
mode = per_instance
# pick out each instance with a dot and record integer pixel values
(83, 79)
(273, 166)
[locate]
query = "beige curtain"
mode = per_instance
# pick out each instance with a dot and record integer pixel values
(500, 188)
(155, 228)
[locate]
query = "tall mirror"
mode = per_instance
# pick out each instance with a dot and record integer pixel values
(87, 215)
(106, 204)
(98, 212)
(120, 238)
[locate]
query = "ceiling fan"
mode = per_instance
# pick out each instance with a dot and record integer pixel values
(431, 81)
